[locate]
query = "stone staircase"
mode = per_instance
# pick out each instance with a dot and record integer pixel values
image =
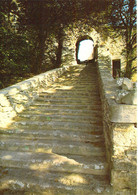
(56, 146)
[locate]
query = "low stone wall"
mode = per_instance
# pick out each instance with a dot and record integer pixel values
(119, 121)
(16, 98)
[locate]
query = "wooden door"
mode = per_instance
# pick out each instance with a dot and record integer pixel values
(116, 68)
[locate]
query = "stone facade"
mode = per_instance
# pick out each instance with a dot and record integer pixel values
(108, 48)
(72, 34)
(120, 134)
(17, 97)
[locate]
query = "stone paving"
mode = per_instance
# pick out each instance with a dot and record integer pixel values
(56, 146)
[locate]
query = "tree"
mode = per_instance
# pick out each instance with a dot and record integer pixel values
(122, 17)
(50, 17)
(28, 27)
(13, 45)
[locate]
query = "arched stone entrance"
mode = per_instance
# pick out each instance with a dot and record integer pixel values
(73, 35)
(84, 49)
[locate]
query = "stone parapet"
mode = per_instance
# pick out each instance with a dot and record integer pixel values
(16, 98)
(119, 123)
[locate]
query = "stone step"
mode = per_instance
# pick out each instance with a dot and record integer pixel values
(86, 83)
(67, 96)
(36, 182)
(69, 100)
(27, 130)
(72, 84)
(77, 112)
(80, 126)
(53, 92)
(54, 146)
(74, 90)
(66, 106)
(95, 136)
(73, 97)
(58, 117)
(54, 162)
(77, 81)
(80, 79)
(77, 87)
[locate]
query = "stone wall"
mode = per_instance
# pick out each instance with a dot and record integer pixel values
(110, 47)
(73, 33)
(119, 121)
(17, 97)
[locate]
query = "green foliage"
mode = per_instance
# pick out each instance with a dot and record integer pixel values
(14, 58)
(122, 18)
(50, 17)
(29, 28)
(14, 48)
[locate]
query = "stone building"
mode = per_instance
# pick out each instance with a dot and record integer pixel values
(109, 48)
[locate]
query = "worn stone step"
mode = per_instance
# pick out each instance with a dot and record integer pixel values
(56, 117)
(81, 126)
(71, 84)
(76, 87)
(69, 100)
(79, 83)
(84, 90)
(66, 106)
(52, 92)
(32, 134)
(89, 82)
(73, 97)
(84, 112)
(45, 132)
(54, 162)
(39, 181)
(77, 112)
(55, 146)
(86, 83)
(62, 96)
(76, 80)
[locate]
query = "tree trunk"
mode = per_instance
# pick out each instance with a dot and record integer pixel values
(60, 48)
(41, 52)
(41, 42)
(128, 70)
(129, 43)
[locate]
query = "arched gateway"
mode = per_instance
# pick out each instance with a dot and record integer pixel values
(75, 40)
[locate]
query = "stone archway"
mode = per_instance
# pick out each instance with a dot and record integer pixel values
(72, 37)
(84, 49)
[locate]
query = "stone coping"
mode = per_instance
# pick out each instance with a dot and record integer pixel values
(34, 81)
(16, 98)
(118, 113)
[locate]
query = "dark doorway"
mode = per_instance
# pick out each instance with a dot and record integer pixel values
(116, 64)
